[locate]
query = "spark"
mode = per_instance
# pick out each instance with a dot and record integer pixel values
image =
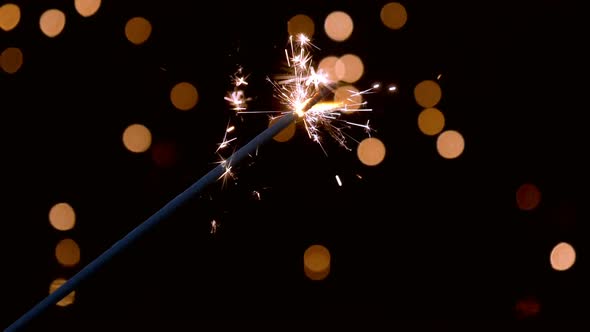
(303, 89)
(225, 142)
(214, 226)
(392, 88)
(237, 97)
(338, 180)
(256, 194)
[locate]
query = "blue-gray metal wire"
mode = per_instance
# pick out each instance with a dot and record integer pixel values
(193, 191)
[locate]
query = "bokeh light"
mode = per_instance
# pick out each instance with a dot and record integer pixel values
(9, 16)
(316, 262)
(348, 96)
(138, 30)
(164, 154)
(11, 59)
(327, 66)
(338, 26)
(431, 121)
(285, 134)
(62, 216)
(371, 151)
(394, 15)
(301, 24)
(563, 256)
(349, 68)
(528, 196)
(87, 8)
(67, 252)
(450, 144)
(68, 299)
(527, 307)
(427, 93)
(184, 96)
(52, 22)
(137, 138)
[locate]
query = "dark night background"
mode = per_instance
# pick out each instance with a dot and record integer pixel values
(439, 244)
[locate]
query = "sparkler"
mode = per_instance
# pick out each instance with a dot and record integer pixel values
(301, 92)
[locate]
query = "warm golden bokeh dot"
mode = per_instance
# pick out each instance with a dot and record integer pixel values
(285, 134)
(338, 26)
(371, 151)
(87, 8)
(427, 93)
(68, 299)
(138, 30)
(327, 66)
(137, 138)
(316, 262)
(528, 197)
(348, 96)
(67, 252)
(349, 68)
(563, 256)
(9, 16)
(11, 59)
(301, 24)
(394, 15)
(184, 96)
(431, 121)
(52, 22)
(62, 216)
(450, 144)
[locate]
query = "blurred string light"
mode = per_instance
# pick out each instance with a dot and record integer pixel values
(316, 262)
(371, 151)
(562, 257)
(431, 121)
(301, 24)
(68, 299)
(9, 16)
(62, 216)
(338, 26)
(184, 96)
(52, 22)
(11, 60)
(137, 138)
(528, 197)
(394, 15)
(67, 252)
(138, 30)
(87, 8)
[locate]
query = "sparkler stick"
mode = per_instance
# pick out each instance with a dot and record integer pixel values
(193, 191)
(300, 91)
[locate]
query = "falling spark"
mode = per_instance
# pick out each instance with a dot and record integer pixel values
(392, 88)
(256, 194)
(237, 97)
(214, 226)
(338, 180)
(439, 76)
(225, 142)
(359, 176)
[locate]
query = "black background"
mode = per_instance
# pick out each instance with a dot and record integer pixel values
(436, 243)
